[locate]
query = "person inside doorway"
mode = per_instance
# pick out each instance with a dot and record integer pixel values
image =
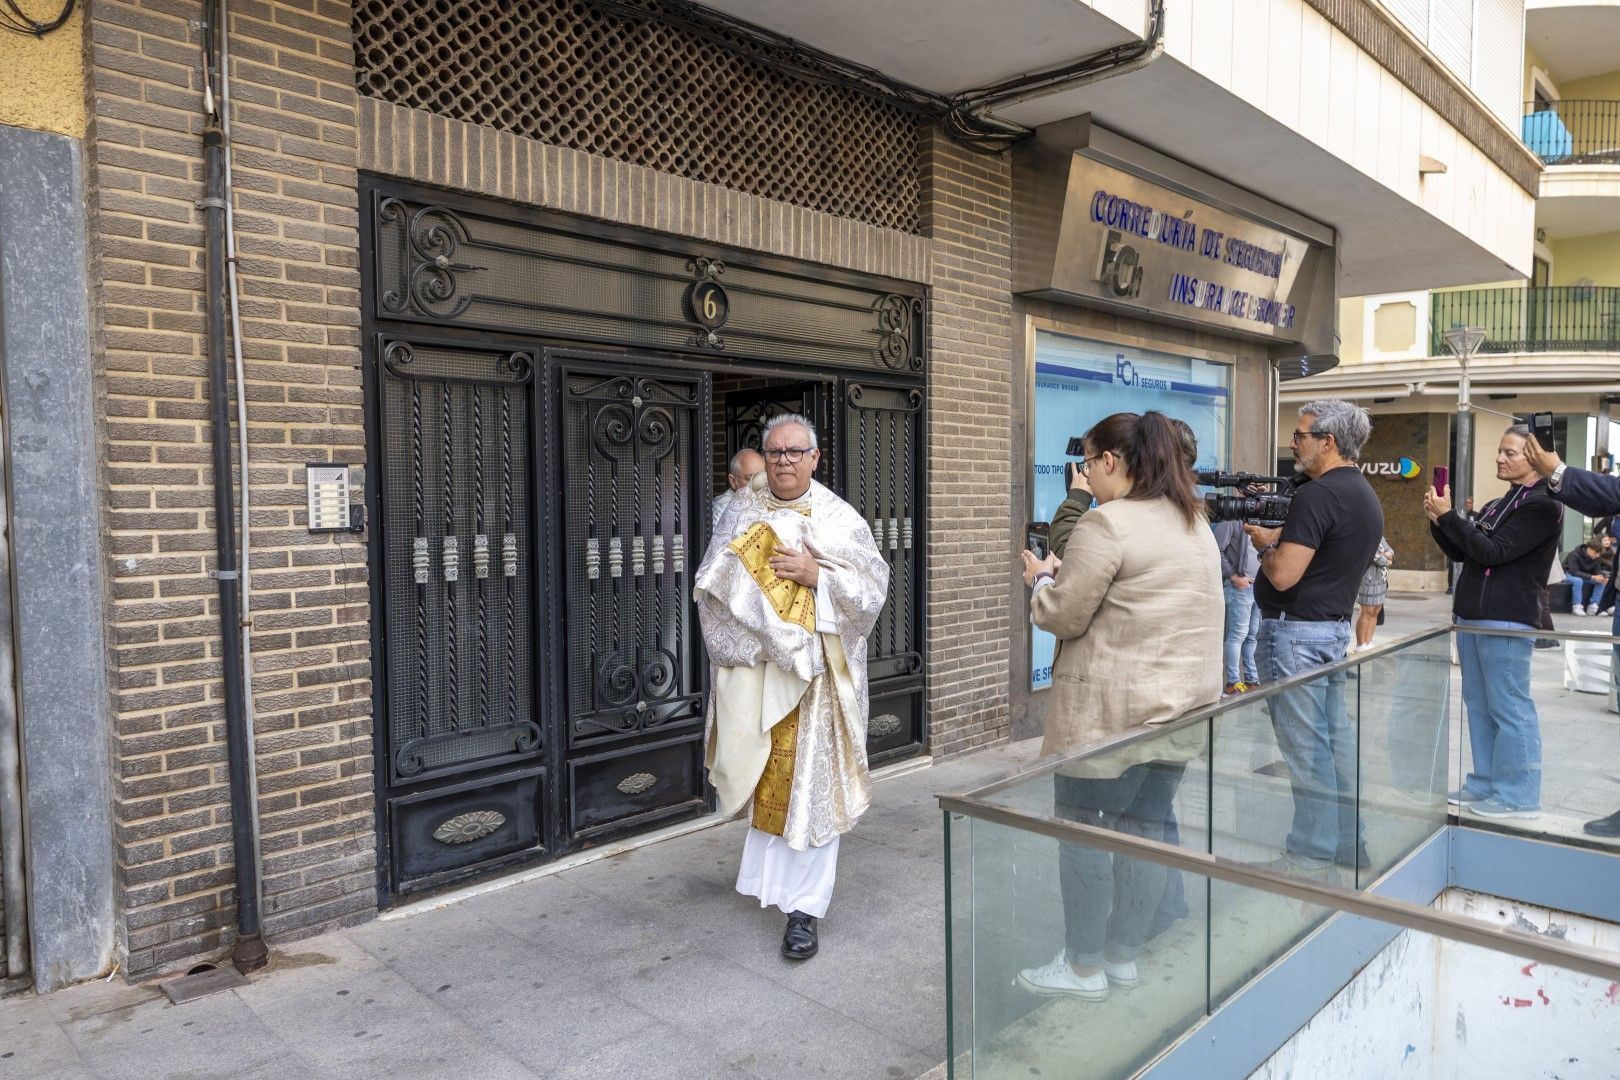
(787, 595)
(745, 465)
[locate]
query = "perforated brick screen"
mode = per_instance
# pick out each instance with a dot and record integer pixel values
(637, 91)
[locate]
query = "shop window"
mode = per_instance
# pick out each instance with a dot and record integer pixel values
(1079, 382)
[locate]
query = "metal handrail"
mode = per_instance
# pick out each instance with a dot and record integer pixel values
(1598, 963)
(1050, 763)
(1573, 132)
(1528, 319)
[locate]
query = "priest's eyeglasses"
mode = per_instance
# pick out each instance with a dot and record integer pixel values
(790, 454)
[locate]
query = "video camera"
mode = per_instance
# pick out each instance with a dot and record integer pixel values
(1268, 508)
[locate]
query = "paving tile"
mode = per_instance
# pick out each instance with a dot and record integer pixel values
(32, 1043)
(379, 1025)
(212, 1036)
(307, 965)
(657, 1052)
(762, 1026)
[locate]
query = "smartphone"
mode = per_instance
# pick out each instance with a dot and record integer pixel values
(1037, 536)
(1541, 426)
(1442, 477)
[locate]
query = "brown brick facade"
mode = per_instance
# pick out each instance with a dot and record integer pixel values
(294, 134)
(301, 137)
(968, 215)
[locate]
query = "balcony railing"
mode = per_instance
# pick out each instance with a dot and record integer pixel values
(1574, 132)
(1559, 318)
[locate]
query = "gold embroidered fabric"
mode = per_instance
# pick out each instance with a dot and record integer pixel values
(794, 603)
(775, 788)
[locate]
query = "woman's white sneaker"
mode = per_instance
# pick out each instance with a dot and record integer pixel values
(1058, 978)
(1122, 975)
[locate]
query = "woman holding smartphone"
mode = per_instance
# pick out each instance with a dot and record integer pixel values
(1139, 615)
(1505, 555)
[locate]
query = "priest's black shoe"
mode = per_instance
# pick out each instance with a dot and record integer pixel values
(799, 942)
(1606, 826)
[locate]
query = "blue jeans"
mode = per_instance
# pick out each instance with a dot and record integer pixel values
(1242, 627)
(1504, 732)
(1582, 589)
(1317, 740)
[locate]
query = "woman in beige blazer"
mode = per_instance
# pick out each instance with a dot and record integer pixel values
(1139, 615)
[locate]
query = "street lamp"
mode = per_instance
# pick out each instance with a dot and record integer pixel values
(1464, 342)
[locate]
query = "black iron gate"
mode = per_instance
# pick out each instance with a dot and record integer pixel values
(634, 463)
(455, 440)
(748, 410)
(882, 478)
(538, 509)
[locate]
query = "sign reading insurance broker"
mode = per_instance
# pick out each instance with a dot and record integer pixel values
(1132, 243)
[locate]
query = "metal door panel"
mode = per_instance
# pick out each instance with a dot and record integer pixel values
(881, 451)
(634, 454)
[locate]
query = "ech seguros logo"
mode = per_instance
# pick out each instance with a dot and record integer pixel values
(1405, 468)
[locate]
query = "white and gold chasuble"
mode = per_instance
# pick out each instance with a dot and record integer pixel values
(788, 711)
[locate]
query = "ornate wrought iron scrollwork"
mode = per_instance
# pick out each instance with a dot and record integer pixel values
(520, 364)
(431, 237)
(399, 354)
(706, 268)
(896, 327)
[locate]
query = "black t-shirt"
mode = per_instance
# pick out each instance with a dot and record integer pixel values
(1337, 516)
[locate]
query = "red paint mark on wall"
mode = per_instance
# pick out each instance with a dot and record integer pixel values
(1542, 994)
(1517, 1003)
(1528, 968)
(1614, 993)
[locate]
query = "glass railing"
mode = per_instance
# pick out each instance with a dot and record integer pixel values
(1518, 319)
(1103, 906)
(1537, 750)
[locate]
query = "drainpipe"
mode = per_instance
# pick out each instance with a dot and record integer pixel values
(246, 536)
(249, 952)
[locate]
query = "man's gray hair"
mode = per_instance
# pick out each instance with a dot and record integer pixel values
(735, 466)
(1521, 430)
(783, 419)
(1349, 424)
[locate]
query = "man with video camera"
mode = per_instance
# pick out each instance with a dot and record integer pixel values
(1310, 571)
(1596, 495)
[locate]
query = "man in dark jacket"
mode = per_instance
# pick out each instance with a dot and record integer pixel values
(1594, 495)
(1588, 573)
(1505, 555)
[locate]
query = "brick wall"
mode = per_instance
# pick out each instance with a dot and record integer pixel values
(967, 215)
(416, 145)
(294, 130)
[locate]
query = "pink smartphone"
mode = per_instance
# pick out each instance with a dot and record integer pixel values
(1442, 477)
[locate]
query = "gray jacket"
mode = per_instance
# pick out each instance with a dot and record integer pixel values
(1237, 553)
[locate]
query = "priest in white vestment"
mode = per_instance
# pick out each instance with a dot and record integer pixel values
(787, 594)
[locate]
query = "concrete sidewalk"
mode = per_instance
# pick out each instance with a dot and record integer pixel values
(645, 964)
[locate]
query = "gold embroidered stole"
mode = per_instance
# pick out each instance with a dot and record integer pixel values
(796, 604)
